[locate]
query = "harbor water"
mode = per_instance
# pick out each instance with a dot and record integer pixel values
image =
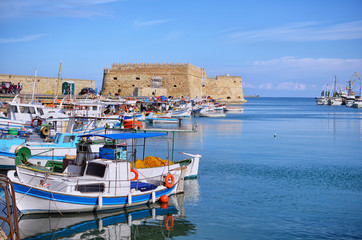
(285, 168)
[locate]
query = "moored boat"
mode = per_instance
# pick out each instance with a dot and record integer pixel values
(102, 183)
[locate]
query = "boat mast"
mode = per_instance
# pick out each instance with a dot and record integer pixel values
(32, 97)
(60, 69)
(202, 81)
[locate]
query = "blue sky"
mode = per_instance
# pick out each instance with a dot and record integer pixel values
(280, 48)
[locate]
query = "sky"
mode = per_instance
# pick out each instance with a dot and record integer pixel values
(279, 48)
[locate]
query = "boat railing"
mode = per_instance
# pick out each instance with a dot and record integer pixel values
(108, 186)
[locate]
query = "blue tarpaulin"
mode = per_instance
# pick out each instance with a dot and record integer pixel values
(118, 136)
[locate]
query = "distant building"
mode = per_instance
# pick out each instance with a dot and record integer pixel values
(172, 80)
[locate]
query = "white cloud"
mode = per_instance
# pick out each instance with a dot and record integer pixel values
(302, 75)
(291, 86)
(267, 85)
(149, 23)
(70, 8)
(294, 64)
(304, 31)
(22, 39)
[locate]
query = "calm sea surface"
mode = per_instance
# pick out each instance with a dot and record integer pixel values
(305, 183)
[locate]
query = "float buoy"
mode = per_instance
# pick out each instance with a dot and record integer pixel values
(164, 198)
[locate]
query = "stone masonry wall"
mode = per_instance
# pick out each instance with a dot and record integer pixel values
(45, 85)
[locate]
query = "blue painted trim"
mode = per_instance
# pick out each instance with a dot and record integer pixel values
(67, 198)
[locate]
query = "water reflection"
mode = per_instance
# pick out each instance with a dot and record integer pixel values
(146, 222)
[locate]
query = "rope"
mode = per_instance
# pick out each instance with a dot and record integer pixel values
(55, 203)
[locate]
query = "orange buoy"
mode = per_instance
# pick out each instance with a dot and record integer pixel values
(164, 198)
(135, 174)
(169, 180)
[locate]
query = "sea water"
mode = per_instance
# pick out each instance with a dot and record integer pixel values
(285, 168)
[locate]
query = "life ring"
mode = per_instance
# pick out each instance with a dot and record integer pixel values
(200, 103)
(124, 107)
(135, 173)
(35, 119)
(167, 183)
(167, 225)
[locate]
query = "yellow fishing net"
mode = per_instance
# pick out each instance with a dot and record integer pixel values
(150, 162)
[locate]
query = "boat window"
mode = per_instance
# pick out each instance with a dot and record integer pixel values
(94, 108)
(15, 109)
(21, 109)
(87, 188)
(30, 110)
(40, 111)
(96, 169)
(68, 139)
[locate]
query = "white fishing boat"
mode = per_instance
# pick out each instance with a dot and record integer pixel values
(181, 113)
(230, 109)
(162, 118)
(322, 100)
(144, 169)
(335, 101)
(47, 148)
(103, 183)
(84, 108)
(27, 115)
(357, 103)
(211, 113)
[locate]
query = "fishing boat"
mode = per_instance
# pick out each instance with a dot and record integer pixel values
(230, 109)
(27, 115)
(181, 113)
(41, 152)
(162, 118)
(103, 183)
(46, 148)
(211, 113)
(357, 103)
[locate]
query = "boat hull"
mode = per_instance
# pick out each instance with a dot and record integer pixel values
(31, 199)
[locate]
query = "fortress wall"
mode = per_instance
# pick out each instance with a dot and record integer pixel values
(229, 88)
(129, 76)
(178, 80)
(44, 85)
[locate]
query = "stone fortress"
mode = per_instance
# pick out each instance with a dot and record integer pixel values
(170, 80)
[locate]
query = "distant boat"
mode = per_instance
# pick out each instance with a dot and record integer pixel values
(212, 113)
(229, 109)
